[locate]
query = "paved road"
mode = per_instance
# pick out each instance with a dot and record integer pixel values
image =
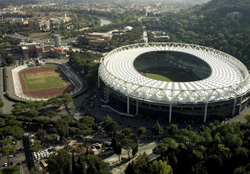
(28, 155)
(7, 103)
(144, 146)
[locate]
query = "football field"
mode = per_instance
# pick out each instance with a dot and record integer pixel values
(43, 80)
(168, 76)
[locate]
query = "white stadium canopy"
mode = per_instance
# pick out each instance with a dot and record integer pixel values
(229, 77)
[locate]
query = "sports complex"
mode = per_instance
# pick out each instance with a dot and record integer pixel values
(174, 81)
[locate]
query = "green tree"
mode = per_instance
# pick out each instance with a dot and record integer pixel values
(1, 103)
(126, 132)
(141, 130)
(36, 147)
(128, 144)
(50, 114)
(109, 125)
(95, 165)
(17, 132)
(4, 142)
(172, 129)
(130, 169)
(32, 113)
(88, 120)
(135, 150)
(160, 167)
(157, 129)
(247, 117)
(60, 163)
(61, 127)
(9, 60)
(9, 150)
(40, 134)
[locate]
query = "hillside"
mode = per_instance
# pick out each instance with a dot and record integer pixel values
(221, 24)
(4, 3)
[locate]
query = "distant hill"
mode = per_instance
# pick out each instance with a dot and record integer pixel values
(221, 24)
(6, 3)
(223, 7)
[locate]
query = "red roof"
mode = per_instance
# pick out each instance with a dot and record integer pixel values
(58, 48)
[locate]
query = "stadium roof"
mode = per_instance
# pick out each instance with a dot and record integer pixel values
(229, 77)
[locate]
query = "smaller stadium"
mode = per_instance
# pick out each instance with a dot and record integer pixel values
(44, 82)
(41, 82)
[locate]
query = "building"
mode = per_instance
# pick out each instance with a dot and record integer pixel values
(57, 52)
(128, 28)
(31, 49)
(97, 39)
(217, 84)
(57, 39)
(95, 36)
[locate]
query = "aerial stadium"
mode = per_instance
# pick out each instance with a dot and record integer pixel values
(174, 81)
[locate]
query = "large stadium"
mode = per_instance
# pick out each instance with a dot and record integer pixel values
(174, 81)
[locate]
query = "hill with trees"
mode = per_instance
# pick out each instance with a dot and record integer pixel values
(4, 3)
(221, 24)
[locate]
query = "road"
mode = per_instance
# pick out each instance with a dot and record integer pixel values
(144, 146)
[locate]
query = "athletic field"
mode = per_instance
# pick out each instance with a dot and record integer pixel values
(43, 80)
(168, 76)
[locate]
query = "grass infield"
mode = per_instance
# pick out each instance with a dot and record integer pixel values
(168, 76)
(43, 80)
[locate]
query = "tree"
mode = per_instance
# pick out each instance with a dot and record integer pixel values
(157, 129)
(52, 138)
(165, 145)
(126, 132)
(50, 114)
(172, 129)
(116, 147)
(36, 147)
(1, 103)
(62, 129)
(130, 169)
(91, 165)
(9, 60)
(140, 165)
(247, 117)
(34, 171)
(17, 132)
(40, 134)
(160, 167)
(66, 99)
(88, 120)
(141, 130)
(60, 163)
(135, 150)
(4, 142)
(114, 144)
(74, 168)
(9, 150)
(128, 144)
(109, 125)
(33, 113)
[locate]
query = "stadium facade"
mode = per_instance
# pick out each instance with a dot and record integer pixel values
(217, 84)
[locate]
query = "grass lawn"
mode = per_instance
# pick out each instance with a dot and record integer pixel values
(43, 80)
(10, 170)
(43, 35)
(170, 77)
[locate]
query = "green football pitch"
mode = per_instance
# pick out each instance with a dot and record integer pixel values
(43, 80)
(168, 76)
